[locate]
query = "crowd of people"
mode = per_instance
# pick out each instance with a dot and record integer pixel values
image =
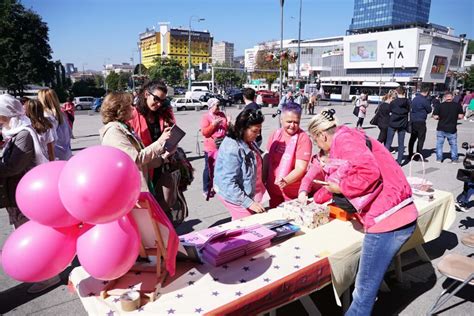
(242, 175)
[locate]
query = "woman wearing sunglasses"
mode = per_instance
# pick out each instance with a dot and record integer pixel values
(152, 116)
(238, 171)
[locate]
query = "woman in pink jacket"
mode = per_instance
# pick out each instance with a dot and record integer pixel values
(213, 127)
(363, 178)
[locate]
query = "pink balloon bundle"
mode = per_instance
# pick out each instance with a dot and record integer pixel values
(99, 185)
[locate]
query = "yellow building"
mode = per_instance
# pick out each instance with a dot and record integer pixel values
(173, 43)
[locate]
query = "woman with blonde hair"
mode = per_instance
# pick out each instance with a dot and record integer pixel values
(42, 126)
(383, 115)
(52, 111)
(116, 111)
(362, 178)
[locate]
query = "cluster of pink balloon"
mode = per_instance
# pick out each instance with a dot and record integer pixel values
(79, 206)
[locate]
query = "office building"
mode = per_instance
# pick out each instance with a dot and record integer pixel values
(117, 68)
(223, 53)
(173, 43)
(370, 14)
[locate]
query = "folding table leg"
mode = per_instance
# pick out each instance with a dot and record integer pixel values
(309, 306)
(422, 253)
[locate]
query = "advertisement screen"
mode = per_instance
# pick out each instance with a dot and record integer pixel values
(363, 51)
(439, 65)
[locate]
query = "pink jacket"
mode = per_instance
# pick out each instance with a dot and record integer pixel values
(210, 131)
(366, 168)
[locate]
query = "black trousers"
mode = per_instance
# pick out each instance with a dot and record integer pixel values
(418, 132)
(382, 135)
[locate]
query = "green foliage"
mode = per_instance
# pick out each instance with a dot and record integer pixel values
(140, 69)
(204, 76)
(167, 69)
(26, 54)
(469, 82)
(227, 77)
(112, 81)
(470, 47)
(87, 88)
(265, 61)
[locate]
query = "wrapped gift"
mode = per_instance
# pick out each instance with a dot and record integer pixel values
(310, 215)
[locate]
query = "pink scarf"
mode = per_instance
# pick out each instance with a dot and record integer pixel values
(288, 159)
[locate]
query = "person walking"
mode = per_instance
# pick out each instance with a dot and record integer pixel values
(249, 99)
(399, 110)
(447, 113)
(363, 105)
(42, 126)
(214, 126)
(383, 115)
(420, 108)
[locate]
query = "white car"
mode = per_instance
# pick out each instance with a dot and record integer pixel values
(83, 103)
(182, 104)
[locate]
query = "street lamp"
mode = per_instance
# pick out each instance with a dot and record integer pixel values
(299, 47)
(189, 48)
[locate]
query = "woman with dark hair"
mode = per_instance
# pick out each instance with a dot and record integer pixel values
(289, 151)
(238, 171)
(151, 116)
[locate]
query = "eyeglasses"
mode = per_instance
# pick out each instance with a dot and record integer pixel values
(156, 98)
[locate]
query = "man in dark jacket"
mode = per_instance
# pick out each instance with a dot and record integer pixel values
(447, 113)
(398, 122)
(420, 108)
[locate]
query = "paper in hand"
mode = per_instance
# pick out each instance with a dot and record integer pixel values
(176, 135)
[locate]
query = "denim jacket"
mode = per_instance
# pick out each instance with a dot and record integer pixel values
(235, 173)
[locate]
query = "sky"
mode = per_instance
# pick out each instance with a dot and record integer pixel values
(91, 33)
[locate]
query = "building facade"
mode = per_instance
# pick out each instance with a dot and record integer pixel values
(223, 53)
(379, 13)
(173, 43)
(117, 68)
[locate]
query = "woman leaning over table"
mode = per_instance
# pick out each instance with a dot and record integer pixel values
(116, 110)
(289, 151)
(238, 172)
(359, 166)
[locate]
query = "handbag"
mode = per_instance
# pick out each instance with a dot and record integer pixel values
(356, 110)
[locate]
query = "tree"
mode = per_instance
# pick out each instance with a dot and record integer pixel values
(268, 59)
(167, 69)
(140, 69)
(470, 47)
(112, 81)
(228, 77)
(25, 51)
(204, 76)
(469, 82)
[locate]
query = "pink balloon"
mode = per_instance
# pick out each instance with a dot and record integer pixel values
(100, 184)
(108, 251)
(38, 198)
(35, 252)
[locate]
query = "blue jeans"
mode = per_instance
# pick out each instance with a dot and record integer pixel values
(378, 251)
(401, 142)
(466, 194)
(453, 143)
(205, 174)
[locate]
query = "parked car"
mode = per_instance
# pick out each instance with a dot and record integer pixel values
(179, 90)
(235, 95)
(269, 98)
(182, 104)
(83, 103)
(223, 101)
(97, 104)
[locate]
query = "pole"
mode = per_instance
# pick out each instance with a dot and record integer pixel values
(189, 54)
(212, 78)
(281, 47)
(380, 85)
(139, 59)
(299, 47)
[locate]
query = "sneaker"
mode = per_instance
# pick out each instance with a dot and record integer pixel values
(455, 161)
(461, 207)
(43, 285)
(439, 161)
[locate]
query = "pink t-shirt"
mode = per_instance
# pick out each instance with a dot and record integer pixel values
(276, 149)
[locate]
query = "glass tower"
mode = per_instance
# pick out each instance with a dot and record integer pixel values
(378, 13)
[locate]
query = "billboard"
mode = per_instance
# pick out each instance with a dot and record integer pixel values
(395, 49)
(363, 51)
(439, 64)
